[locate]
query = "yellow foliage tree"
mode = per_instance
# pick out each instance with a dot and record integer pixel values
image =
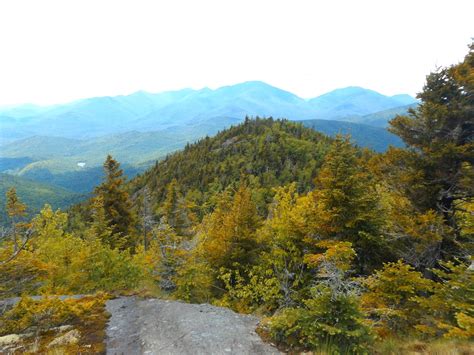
(392, 298)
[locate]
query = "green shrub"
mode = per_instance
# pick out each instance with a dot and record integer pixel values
(327, 322)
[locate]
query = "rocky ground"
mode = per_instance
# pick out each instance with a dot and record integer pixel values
(155, 326)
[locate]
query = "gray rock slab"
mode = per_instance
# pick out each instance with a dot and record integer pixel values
(153, 326)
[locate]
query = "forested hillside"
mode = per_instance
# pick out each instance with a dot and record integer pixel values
(64, 145)
(264, 153)
(35, 195)
(339, 249)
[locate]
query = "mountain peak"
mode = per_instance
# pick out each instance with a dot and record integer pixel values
(404, 99)
(259, 92)
(351, 90)
(255, 83)
(355, 101)
(250, 85)
(143, 110)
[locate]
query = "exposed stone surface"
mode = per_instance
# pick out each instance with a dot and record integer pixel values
(152, 326)
(9, 339)
(71, 337)
(12, 344)
(166, 327)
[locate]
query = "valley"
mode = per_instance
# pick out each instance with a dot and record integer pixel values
(236, 177)
(327, 242)
(65, 145)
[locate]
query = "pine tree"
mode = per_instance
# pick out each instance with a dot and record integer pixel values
(16, 210)
(436, 171)
(175, 210)
(440, 133)
(345, 205)
(117, 206)
(99, 227)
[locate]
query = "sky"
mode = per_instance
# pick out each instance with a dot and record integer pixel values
(58, 51)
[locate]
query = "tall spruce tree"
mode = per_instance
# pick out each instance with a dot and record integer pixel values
(174, 209)
(345, 205)
(117, 206)
(16, 211)
(99, 227)
(437, 166)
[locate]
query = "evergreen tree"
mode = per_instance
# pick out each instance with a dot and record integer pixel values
(437, 168)
(16, 210)
(117, 206)
(450, 307)
(175, 210)
(99, 227)
(345, 205)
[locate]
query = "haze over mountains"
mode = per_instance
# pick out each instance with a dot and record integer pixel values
(65, 145)
(144, 111)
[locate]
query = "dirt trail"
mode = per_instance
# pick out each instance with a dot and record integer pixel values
(155, 326)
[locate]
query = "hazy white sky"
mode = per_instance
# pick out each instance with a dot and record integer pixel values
(57, 51)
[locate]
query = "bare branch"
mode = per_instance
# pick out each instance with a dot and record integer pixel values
(26, 237)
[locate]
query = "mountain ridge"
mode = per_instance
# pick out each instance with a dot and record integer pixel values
(142, 111)
(67, 144)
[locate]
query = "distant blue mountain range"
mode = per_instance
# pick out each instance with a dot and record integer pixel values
(65, 145)
(188, 108)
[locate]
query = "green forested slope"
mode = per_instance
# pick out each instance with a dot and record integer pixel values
(55, 160)
(35, 194)
(268, 152)
(342, 250)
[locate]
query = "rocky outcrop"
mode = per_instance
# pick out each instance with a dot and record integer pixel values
(9, 339)
(70, 338)
(153, 326)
